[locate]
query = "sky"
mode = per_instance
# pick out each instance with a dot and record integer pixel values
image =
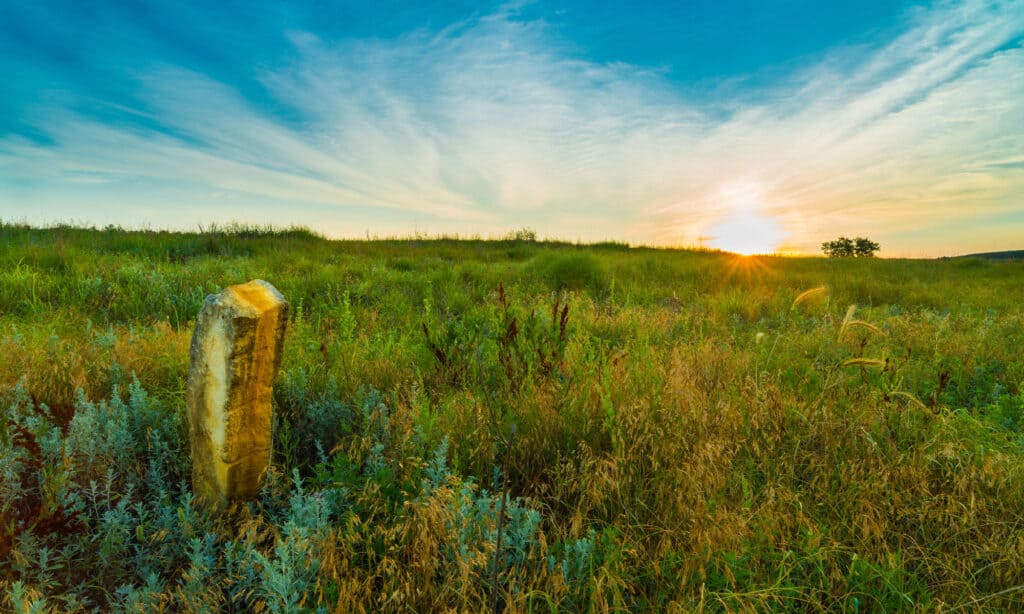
(753, 126)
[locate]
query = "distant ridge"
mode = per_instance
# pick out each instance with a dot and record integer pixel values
(1016, 254)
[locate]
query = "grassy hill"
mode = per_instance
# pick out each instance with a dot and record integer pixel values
(672, 430)
(1017, 254)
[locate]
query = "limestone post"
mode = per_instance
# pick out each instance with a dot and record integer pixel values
(236, 351)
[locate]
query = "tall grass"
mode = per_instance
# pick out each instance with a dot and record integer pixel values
(692, 431)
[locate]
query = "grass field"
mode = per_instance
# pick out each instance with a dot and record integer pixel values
(639, 429)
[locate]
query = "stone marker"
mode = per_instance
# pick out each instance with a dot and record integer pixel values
(236, 351)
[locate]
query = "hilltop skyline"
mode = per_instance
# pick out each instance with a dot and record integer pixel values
(755, 127)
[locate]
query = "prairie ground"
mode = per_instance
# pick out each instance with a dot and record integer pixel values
(639, 429)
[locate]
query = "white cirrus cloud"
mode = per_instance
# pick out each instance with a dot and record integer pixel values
(493, 123)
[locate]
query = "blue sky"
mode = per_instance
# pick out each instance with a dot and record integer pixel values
(744, 125)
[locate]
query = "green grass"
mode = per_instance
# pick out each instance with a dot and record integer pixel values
(670, 430)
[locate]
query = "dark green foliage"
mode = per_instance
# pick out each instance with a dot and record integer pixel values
(573, 270)
(849, 248)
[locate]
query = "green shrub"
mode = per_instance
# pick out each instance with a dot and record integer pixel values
(574, 270)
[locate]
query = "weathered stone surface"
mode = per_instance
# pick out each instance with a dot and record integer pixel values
(236, 351)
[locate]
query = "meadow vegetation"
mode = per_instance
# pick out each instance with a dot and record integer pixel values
(517, 425)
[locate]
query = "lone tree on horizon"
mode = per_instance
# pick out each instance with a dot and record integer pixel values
(844, 247)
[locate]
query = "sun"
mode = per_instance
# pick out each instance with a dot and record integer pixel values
(747, 232)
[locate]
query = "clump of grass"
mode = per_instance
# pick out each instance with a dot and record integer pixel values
(254, 231)
(576, 270)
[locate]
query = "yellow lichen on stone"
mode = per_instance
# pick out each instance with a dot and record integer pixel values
(236, 351)
(255, 296)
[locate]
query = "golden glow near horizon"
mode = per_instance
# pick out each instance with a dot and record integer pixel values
(746, 228)
(747, 232)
